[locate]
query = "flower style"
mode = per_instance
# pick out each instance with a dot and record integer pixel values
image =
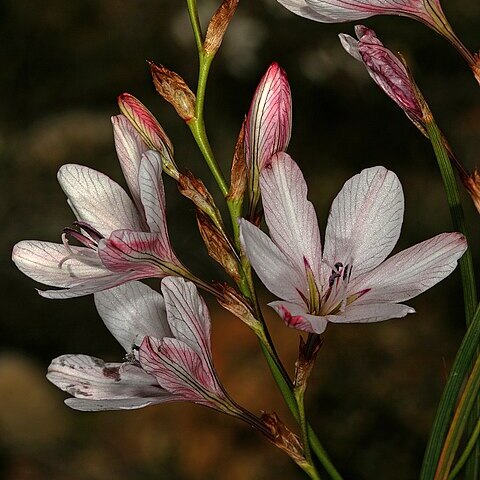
(386, 70)
(350, 281)
(268, 125)
(122, 239)
(167, 340)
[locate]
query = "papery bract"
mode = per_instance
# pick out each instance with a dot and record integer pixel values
(268, 125)
(168, 352)
(350, 281)
(122, 239)
(386, 70)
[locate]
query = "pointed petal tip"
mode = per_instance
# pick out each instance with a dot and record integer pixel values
(361, 30)
(295, 316)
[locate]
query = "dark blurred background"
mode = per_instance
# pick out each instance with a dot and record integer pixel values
(375, 388)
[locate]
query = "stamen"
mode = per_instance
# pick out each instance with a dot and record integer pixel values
(92, 232)
(335, 298)
(80, 237)
(87, 256)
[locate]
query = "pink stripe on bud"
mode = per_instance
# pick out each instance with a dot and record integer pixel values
(150, 130)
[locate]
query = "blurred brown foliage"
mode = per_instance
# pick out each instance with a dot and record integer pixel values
(375, 387)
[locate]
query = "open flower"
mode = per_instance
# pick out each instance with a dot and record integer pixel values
(350, 281)
(386, 70)
(121, 239)
(268, 125)
(167, 340)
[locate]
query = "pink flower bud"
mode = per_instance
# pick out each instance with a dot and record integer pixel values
(386, 70)
(268, 124)
(150, 130)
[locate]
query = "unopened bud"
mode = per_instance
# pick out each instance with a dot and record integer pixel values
(218, 246)
(237, 304)
(238, 172)
(283, 438)
(150, 130)
(194, 189)
(173, 88)
(218, 26)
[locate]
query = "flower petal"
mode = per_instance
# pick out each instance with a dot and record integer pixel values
(180, 370)
(301, 8)
(148, 254)
(130, 148)
(365, 221)
(98, 200)
(273, 268)
(295, 316)
(91, 379)
(131, 312)
(152, 193)
(373, 312)
(350, 45)
(123, 404)
(47, 263)
(269, 120)
(290, 217)
(93, 285)
(187, 315)
(412, 271)
(386, 70)
(332, 11)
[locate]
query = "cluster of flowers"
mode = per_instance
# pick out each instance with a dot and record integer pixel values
(124, 239)
(167, 337)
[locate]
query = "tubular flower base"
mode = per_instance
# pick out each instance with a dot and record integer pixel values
(122, 240)
(350, 281)
(167, 340)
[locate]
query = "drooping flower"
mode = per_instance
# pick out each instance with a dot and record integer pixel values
(268, 125)
(391, 75)
(351, 280)
(428, 12)
(167, 340)
(121, 239)
(386, 70)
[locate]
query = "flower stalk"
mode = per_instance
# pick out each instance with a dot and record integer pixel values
(458, 373)
(459, 422)
(455, 206)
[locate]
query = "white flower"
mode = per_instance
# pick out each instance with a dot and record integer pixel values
(350, 281)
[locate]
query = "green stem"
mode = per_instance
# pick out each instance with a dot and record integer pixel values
(466, 262)
(460, 369)
(300, 397)
(311, 471)
(195, 21)
(197, 127)
(459, 423)
(466, 453)
(286, 388)
(197, 124)
(458, 217)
